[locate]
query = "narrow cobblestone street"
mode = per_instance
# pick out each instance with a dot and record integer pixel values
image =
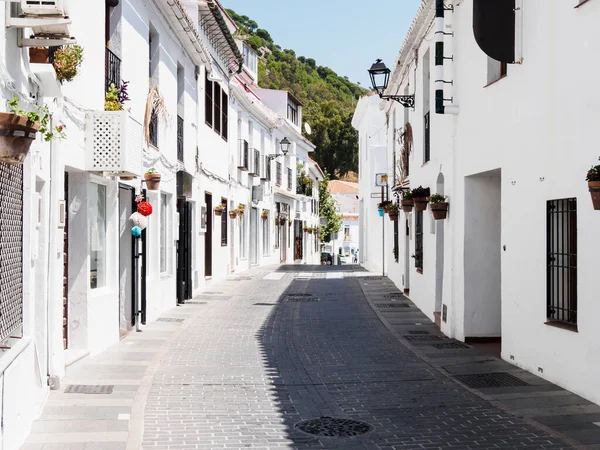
(241, 365)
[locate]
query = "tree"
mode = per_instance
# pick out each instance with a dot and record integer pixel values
(328, 210)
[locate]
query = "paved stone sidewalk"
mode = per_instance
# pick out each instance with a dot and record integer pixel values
(270, 348)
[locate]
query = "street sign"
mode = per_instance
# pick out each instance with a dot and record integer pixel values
(375, 194)
(381, 179)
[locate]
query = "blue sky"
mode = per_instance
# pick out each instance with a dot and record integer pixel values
(345, 35)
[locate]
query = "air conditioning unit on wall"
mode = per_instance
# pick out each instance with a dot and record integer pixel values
(45, 7)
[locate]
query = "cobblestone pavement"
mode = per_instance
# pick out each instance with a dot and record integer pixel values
(271, 349)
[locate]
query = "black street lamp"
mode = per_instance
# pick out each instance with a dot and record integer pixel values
(285, 148)
(380, 77)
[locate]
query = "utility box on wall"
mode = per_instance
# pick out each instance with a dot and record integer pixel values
(113, 143)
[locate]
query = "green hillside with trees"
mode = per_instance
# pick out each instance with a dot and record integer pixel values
(329, 99)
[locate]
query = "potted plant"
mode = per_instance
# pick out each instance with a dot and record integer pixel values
(380, 209)
(289, 222)
(219, 210)
(407, 201)
(420, 196)
(67, 61)
(282, 221)
(240, 209)
(152, 178)
(265, 214)
(593, 179)
(385, 205)
(39, 55)
(438, 206)
(305, 229)
(19, 130)
(393, 211)
(233, 213)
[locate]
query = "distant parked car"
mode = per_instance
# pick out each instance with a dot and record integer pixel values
(342, 259)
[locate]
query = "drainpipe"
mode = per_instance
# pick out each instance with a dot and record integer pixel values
(440, 108)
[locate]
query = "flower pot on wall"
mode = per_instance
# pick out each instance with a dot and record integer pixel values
(393, 215)
(421, 203)
(380, 212)
(218, 212)
(407, 205)
(594, 187)
(152, 181)
(233, 214)
(39, 55)
(18, 133)
(439, 210)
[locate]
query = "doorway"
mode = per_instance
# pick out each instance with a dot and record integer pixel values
(439, 258)
(283, 242)
(127, 206)
(407, 256)
(208, 238)
(298, 240)
(254, 236)
(66, 267)
(184, 251)
(483, 282)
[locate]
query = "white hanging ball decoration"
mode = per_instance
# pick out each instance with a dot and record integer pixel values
(139, 220)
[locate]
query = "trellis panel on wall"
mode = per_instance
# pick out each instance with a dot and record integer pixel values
(113, 143)
(11, 250)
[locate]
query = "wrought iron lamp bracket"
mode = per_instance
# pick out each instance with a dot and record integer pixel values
(408, 101)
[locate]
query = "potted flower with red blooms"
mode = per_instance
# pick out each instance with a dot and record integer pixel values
(593, 179)
(407, 201)
(152, 178)
(420, 197)
(438, 206)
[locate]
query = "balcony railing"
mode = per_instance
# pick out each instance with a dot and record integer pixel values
(153, 129)
(180, 139)
(112, 70)
(303, 189)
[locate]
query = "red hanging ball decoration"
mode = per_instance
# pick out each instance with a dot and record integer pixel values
(145, 208)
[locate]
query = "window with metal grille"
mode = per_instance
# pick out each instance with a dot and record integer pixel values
(289, 177)
(112, 69)
(11, 250)
(153, 129)
(396, 239)
(419, 240)
(217, 107)
(224, 217)
(427, 138)
(256, 168)
(243, 156)
(278, 174)
(208, 101)
(561, 238)
(179, 138)
(267, 168)
(224, 115)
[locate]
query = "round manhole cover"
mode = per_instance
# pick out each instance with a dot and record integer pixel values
(332, 427)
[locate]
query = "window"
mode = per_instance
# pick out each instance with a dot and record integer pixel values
(266, 240)
(396, 239)
(224, 217)
(217, 107)
(346, 232)
(289, 177)
(278, 174)
(495, 70)
(224, 115)
(419, 240)
(208, 101)
(243, 235)
(249, 58)
(292, 113)
(561, 237)
(98, 255)
(180, 127)
(277, 234)
(164, 227)
(426, 107)
(427, 138)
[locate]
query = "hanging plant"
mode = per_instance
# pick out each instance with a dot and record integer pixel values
(407, 201)
(421, 197)
(265, 214)
(233, 213)
(593, 179)
(152, 178)
(67, 61)
(289, 222)
(219, 210)
(393, 211)
(438, 206)
(240, 209)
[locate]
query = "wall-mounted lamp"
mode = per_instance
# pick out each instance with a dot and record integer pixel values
(285, 148)
(380, 77)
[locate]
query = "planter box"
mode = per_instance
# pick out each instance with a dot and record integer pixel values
(113, 143)
(407, 206)
(439, 210)
(421, 203)
(594, 188)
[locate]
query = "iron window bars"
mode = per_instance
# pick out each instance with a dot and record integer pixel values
(179, 138)
(561, 290)
(427, 129)
(278, 174)
(112, 70)
(419, 240)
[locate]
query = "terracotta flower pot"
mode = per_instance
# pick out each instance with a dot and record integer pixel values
(233, 214)
(264, 217)
(407, 205)
(240, 212)
(218, 212)
(39, 55)
(439, 210)
(152, 181)
(421, 203)
(20, 134)
(393, 215)
(594, 187)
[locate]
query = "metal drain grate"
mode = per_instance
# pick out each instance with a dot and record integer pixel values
(302, 299)
(418, 332)
(242, 279)
(490, 380)
(169, 319)
(450, 345)
(211, 293)
(265, 304)
(392, 305)
(302, 278)
(421, 337)
(394, 295)
(191, 302)
(89, 389)
(298, 294)
(332, 427)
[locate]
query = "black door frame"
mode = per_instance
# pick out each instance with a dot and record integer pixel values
(184, 251)
(208, 238)
(133, 258)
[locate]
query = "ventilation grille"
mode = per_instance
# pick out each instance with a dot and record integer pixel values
(490, 380)
(393, 305)
(169, 319)
(89, 389)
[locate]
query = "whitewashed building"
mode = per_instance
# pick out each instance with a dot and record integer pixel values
(346, 195)
(509, 146)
